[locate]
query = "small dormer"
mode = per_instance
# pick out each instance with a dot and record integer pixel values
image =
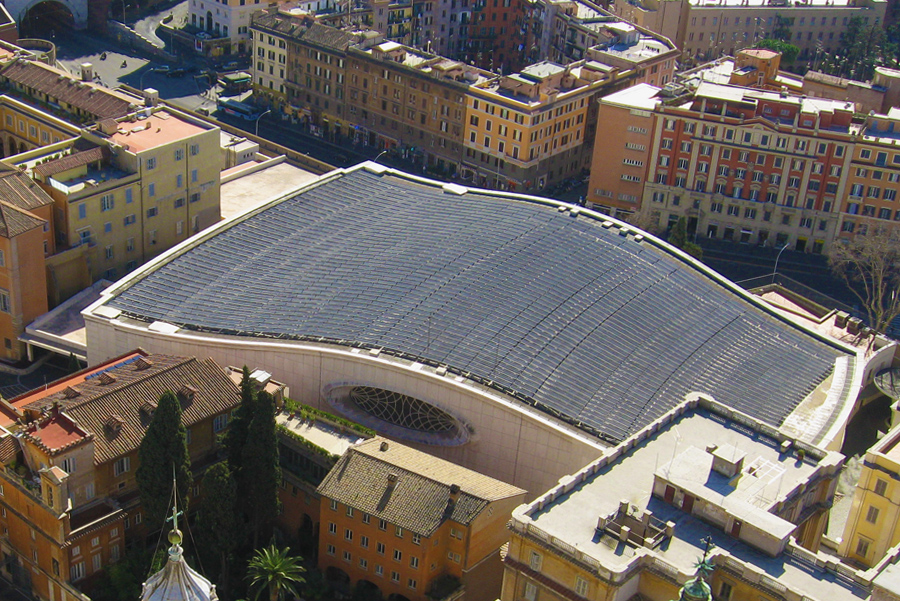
(113, 424)
(71, 392)
(55, 488)
(187, 392)
(142, 363)
(106, 378)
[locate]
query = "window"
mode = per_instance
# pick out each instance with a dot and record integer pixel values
(347, 556)
(333, 505)
(363, 563)
(195, 149)
(77, 571)
(862, 547)
(725, 589)
(411, 583)
(152, 212)
(82, 211)
(398, 530)
(398, 555)
(872, 514)
(880, 487)
(530, 592)
(379, 548)
(330, 549)
(106, 202)
(364, 541)
(366, 518)
(97, 562)
(121, 466)
(151, 163)
(379, 570)
(348, 534)
(332, 528)
(194, 175)
(4, 301)
(220, 422)
(395, 576)
(416, 539)
(581, 586)
(68, 465)
(535, 561)
(414, 563)
(382, 525)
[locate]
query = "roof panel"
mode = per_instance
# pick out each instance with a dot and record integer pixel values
(575, 316)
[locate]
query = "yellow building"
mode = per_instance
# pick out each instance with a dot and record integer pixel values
(873, 525)
(636, 520)
(131, 188)
(24, 127)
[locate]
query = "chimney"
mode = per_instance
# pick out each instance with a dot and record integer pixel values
(392, 478)
(87, 72)
(151, 97)
(384, 446)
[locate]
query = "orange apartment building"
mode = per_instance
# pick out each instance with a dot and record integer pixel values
(26, 238)
(747, 165)
(411, 525)
(68, 497)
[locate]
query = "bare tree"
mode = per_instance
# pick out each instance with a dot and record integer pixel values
(870, 266)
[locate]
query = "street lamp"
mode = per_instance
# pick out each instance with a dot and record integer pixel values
(774, 271)
(260, 117)
(375, 160)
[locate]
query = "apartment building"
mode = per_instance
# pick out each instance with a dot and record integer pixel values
(873, 524)
(129, 189)
(702, 479)
(24, 127)
(537, 126)
(746, 165)
(68, 497)
(26, 237)
(409, 524)
(707, 30)
(227, 19)
(393, 19)
(57, 92)
(270, 31)
(317, 87)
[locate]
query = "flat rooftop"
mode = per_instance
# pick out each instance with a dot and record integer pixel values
(675, 451)
(247, 186)
(561, 308)
(158, 129)
(320, 433)
(62, 329)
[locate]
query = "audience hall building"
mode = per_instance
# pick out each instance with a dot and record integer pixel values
(401, 312)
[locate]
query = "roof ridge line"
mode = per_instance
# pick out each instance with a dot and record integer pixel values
(127, 385)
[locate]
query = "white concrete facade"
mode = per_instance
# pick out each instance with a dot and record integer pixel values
(511, 441)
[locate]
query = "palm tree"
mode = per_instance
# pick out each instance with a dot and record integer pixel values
(276, 570)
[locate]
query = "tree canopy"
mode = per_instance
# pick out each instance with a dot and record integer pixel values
(276, 571)
(260, 473)
(217, 523)
(788, 51)
(163, 454)
(236, 436)
(679, 239)
(870, 266)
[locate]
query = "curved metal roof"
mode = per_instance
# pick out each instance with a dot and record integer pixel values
(567, 313)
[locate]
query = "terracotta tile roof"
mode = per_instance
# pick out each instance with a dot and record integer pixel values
(328, 37)
(15, 221)
(410, 488)
(20, 190)
(61, 86)
(119, 403)
(9, 447)
(70, 161)
(18, 196)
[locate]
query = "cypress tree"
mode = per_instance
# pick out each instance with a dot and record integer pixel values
(236, 437)
(260, 474)
(163, 447)
(216, 518)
